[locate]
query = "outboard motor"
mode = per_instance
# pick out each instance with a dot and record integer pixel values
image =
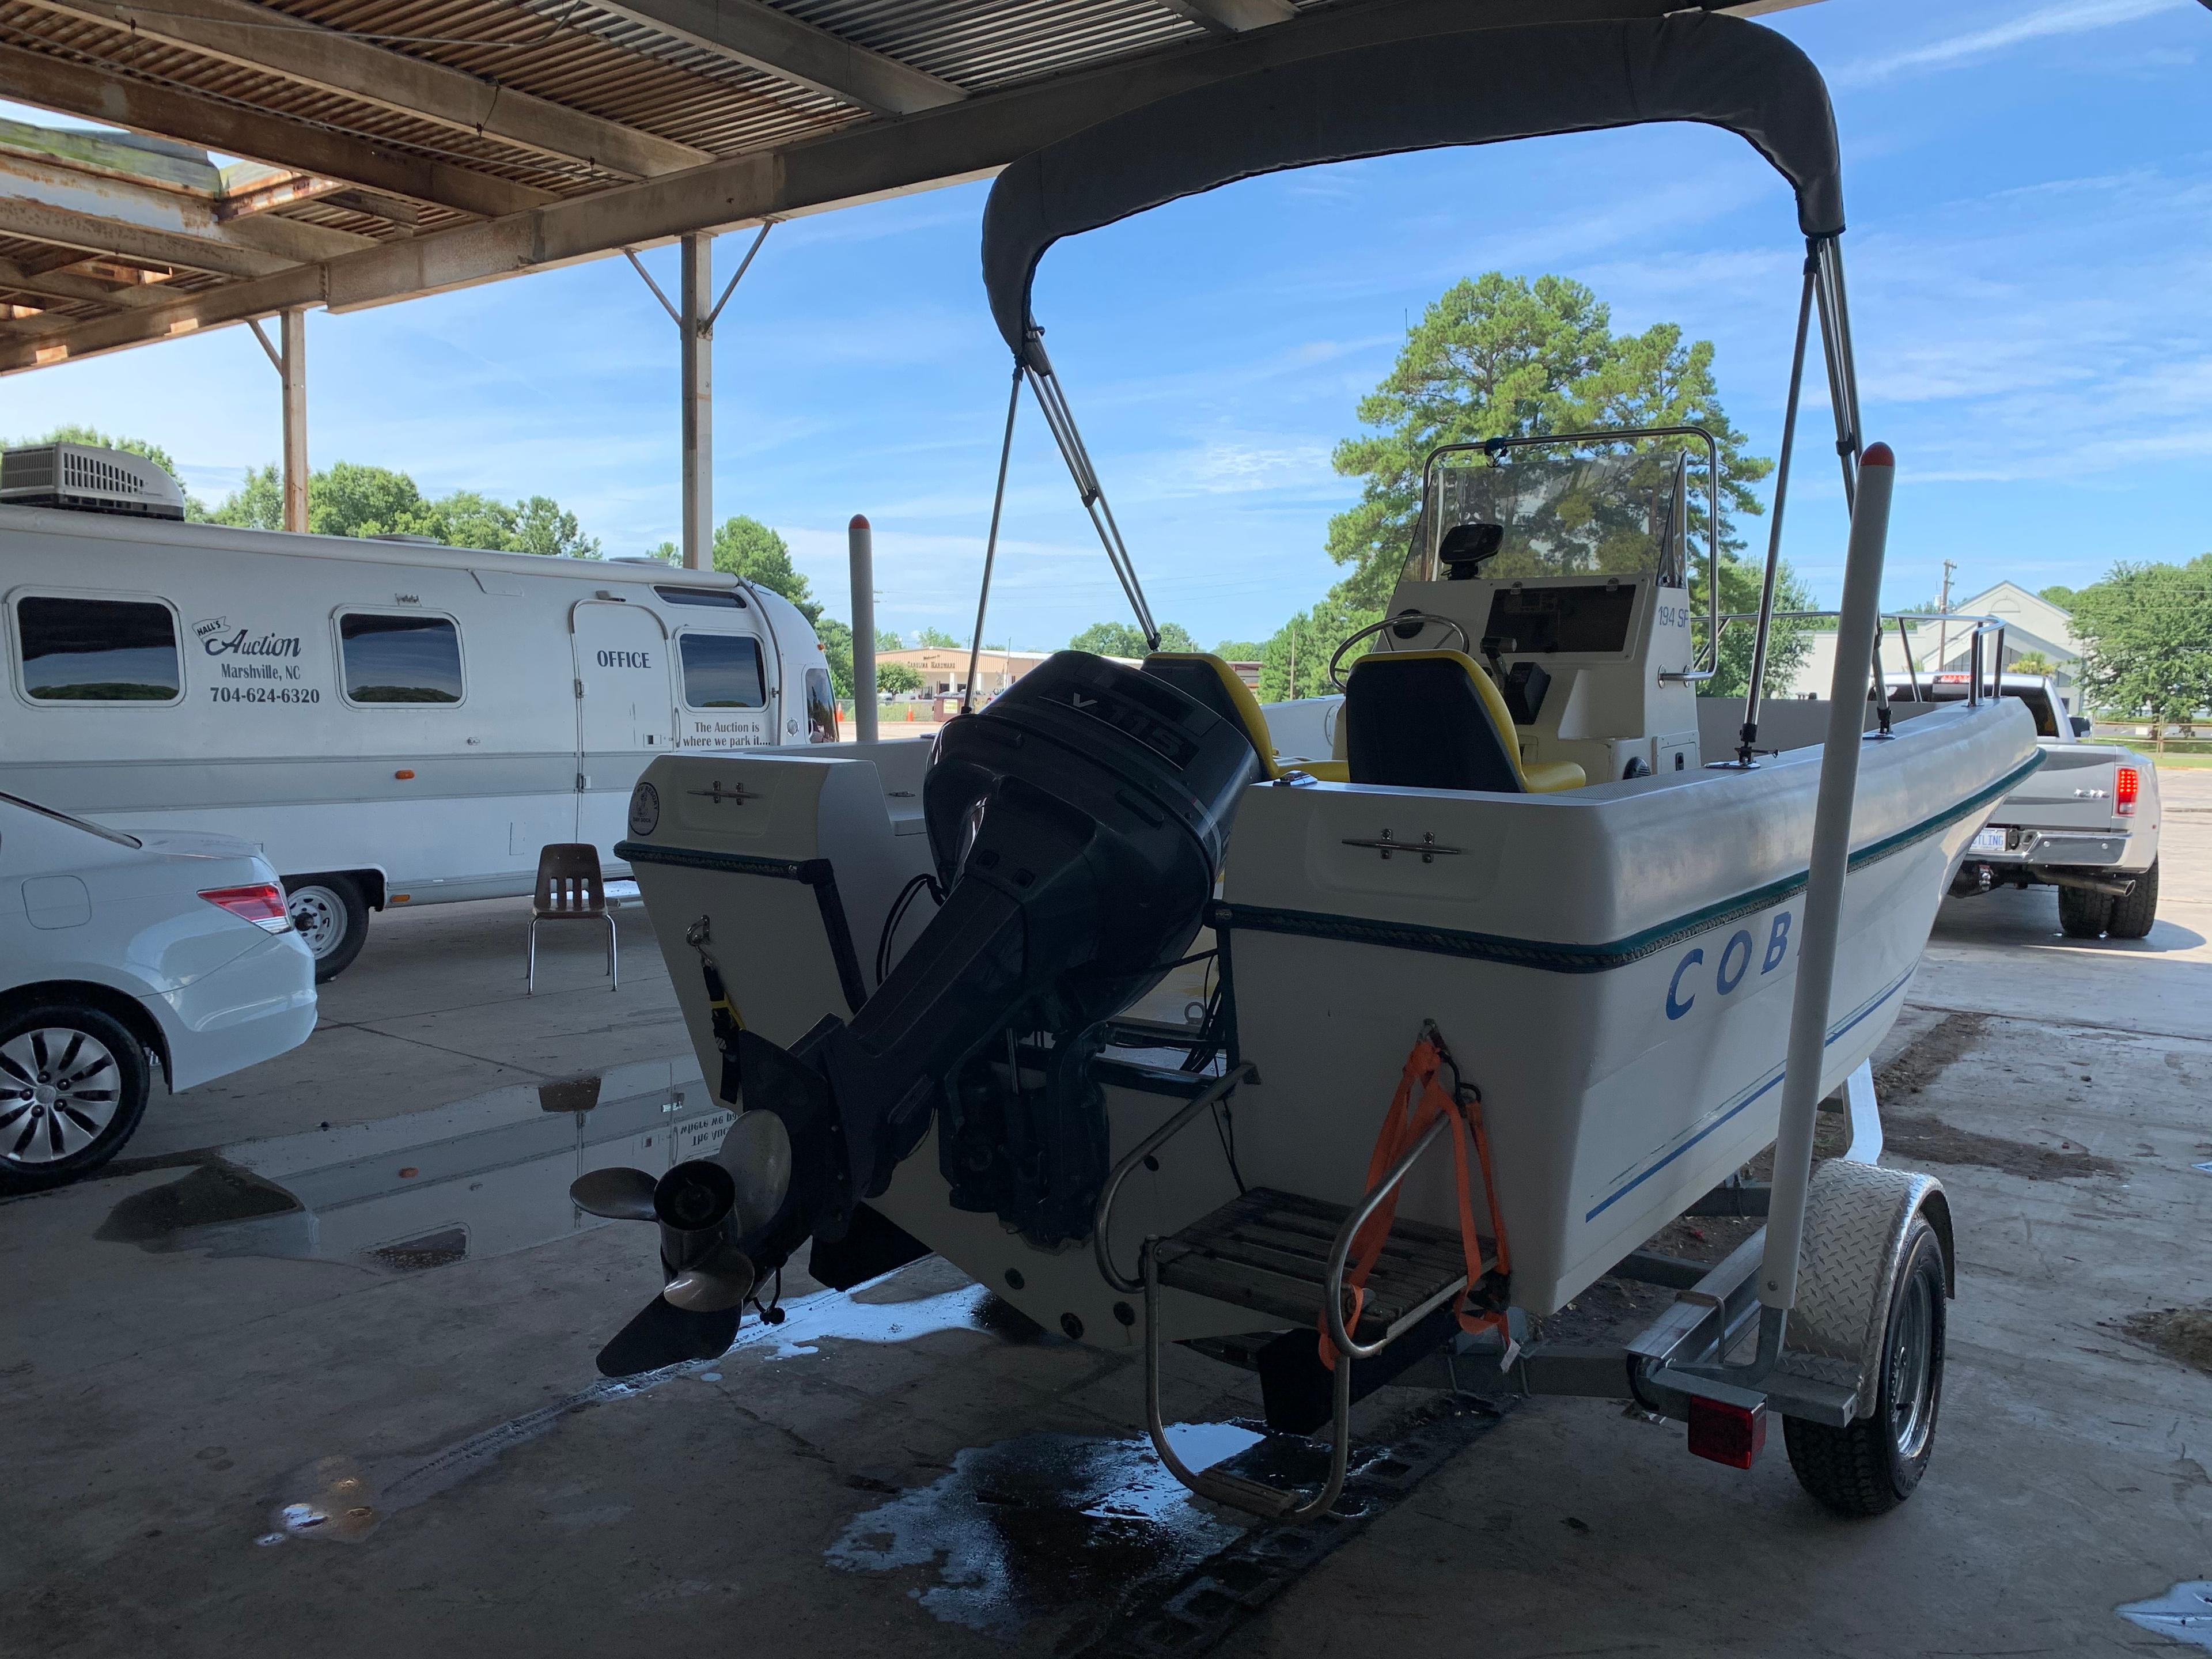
(1077, 824)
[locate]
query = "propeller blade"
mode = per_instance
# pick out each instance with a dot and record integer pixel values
(722, 1280)
(756, 1152)
(695, 1195)
(617, 1194)
(664, 1335)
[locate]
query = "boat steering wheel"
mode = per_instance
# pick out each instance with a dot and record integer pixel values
(1336, 678)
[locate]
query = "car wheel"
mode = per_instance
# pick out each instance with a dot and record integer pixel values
(2081, 913)
(332, 919)
(73, 1084)
(2132, 917)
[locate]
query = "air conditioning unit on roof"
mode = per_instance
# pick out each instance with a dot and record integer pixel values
(88, 480)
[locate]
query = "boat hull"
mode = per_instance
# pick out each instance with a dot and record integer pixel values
(1614, 968)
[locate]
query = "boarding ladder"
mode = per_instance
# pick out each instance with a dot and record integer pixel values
(1286, 1257)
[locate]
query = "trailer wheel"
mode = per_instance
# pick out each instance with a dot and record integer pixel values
(332, 919)
(2132, 917)
(1873, 1465)
(73, 1085)
(2084, 915)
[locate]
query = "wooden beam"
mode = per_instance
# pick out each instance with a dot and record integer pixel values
(259, 37)
(763, 38)
(61, 285)
(187, 218)
(32, 77)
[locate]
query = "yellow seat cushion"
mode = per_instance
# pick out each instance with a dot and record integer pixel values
(1219, 689)
(1549, 777)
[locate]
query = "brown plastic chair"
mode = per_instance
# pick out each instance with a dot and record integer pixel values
(570, 888)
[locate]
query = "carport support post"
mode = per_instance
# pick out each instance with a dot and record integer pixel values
(292, 368)
(1824, 891)
(863, 552)
(696, 326)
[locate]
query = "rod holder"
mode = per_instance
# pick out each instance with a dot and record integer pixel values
(861, 542)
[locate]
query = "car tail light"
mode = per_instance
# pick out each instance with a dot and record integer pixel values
(1725, 1433)
(2126, 788)
(262, 904)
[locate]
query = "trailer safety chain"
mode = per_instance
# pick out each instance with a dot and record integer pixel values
(1420, 1100)
(727, 1022)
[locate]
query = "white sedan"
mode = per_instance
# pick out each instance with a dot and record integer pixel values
(120, 951)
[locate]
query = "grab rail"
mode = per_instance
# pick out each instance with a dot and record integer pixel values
(1332, 1295)
(1103, 1213)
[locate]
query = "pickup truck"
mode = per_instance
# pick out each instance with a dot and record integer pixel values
(2085, 822)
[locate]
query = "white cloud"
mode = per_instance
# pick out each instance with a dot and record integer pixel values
(2066, 17)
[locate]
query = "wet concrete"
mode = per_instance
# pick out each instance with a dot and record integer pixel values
(909, 1471)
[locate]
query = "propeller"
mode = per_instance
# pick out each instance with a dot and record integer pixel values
(705, 1207)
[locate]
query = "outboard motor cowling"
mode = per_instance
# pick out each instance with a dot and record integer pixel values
(1077, 824)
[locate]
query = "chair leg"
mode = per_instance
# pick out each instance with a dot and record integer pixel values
(614, 955)
(531, 972)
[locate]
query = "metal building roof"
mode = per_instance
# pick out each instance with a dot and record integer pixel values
(402, 147)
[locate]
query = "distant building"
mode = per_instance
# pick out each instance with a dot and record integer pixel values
(2032, 625)
(944, 669)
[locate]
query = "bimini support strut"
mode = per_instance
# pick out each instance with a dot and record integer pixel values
(1057, 415)
(1824, 896)
(1747, 739)
(991, 544)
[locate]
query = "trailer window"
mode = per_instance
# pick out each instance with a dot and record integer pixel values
(722, 671)
(387, 658)
(821, 706)
(98, 650)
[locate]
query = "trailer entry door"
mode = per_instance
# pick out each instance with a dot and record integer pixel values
(625, 712)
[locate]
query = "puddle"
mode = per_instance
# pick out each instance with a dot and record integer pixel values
(478, 1177)
(342, 1500)
(1048, 1527)
(2184, 1612)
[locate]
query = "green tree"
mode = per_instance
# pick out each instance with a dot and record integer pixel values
(1121, 639)
(2061, 597)
(2147, 636)
(1241, 650)
(1499, 356)
(888, 640)
(837, 646)
(2029, 662)
(76, 433)
(745, 547)
(936, 639)
(1295, 662)
(348, 499)
(896, 679)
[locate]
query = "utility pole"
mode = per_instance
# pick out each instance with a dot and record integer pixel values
(1943, 629)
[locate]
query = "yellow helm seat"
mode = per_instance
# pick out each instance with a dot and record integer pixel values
(1432, 719)
(1213, 684)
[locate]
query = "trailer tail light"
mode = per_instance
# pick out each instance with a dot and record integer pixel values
(262, 904)
(2127, 785)
(1726, 1433)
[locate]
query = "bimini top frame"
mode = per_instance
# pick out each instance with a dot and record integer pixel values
(1475, 87)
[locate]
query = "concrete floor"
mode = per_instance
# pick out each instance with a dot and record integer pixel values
(409, 1357)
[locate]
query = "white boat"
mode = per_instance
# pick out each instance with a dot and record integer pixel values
(1507, 839)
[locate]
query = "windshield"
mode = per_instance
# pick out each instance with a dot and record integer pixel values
(1591, 516)
(115, 835)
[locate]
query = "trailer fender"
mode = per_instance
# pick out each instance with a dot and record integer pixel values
(1857, 1218)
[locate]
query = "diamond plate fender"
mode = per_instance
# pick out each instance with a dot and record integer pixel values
(1856, 1219)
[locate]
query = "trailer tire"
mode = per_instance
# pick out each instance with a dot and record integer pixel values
(2083, 915)
(332, 918)
(28, 1091)
(2132, 917)
(1874, 1465)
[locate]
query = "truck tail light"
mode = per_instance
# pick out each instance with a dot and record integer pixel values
(2126, 786)
(262, 904)
(1727, 1433)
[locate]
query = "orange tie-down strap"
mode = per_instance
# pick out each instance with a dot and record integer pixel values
(1420, 1100)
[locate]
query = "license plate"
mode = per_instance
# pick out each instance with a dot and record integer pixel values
(1989, 841)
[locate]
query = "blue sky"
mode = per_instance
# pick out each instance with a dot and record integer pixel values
(2029, 188)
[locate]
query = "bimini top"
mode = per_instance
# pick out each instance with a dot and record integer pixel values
(1473, 88)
